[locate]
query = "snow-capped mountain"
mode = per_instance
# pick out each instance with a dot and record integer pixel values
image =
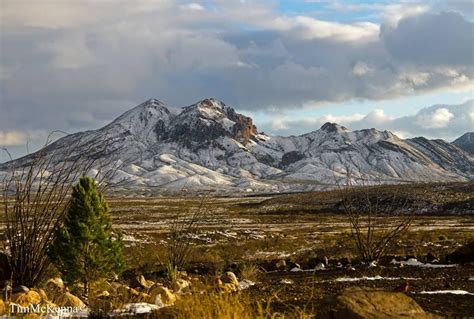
(466, 142)
(208, 145)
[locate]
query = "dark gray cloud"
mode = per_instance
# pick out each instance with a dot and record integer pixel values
(431, 39)
(79, 65)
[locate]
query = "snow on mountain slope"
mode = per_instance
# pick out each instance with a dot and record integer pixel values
(208, 146)
(466, 142)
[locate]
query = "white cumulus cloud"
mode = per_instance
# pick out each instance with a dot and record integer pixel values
(437, 119)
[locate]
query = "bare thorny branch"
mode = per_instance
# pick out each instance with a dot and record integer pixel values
(377, 214)
(35, 198)
(183, 226)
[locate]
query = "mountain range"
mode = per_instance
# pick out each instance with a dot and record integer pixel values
(209, 146)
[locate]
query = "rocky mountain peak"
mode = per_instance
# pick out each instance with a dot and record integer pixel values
(466, 137)
(142, 121)
(209, 109)
(202, 123)
(333, 128)
(153, 102)
(211, 103)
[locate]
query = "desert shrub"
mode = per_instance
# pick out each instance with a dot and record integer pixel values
(249, 271)
(183, 229)
(86, 248)
(35, 197)
(378, 216)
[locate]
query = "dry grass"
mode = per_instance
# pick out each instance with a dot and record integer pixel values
(211, 304)
(249, 271)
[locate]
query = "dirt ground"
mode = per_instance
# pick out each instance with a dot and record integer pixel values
(303, 229)
(310, 288)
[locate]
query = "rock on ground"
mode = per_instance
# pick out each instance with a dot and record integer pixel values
(362, 303)
(230, 278)
(161, 296)
(179, 285)
(25, 299)
(141, 282)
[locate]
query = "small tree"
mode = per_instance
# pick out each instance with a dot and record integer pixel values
(85, 248)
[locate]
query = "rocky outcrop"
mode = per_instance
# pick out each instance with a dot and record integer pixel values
(291, 157)
(202, 123)
(243, 129)
(333, 128)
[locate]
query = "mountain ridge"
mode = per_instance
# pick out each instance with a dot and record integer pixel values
(208, 145)
(466, 142)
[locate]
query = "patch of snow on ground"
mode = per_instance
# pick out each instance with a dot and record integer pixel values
(415, 262)
(134, 309)
(269, 254)
(245, 284)
(454, 292)
(349, 279)
(319, 266)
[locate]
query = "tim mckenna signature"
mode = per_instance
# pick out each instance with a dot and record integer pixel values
(48, 309)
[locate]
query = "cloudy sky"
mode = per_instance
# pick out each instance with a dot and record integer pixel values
(406, 66)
